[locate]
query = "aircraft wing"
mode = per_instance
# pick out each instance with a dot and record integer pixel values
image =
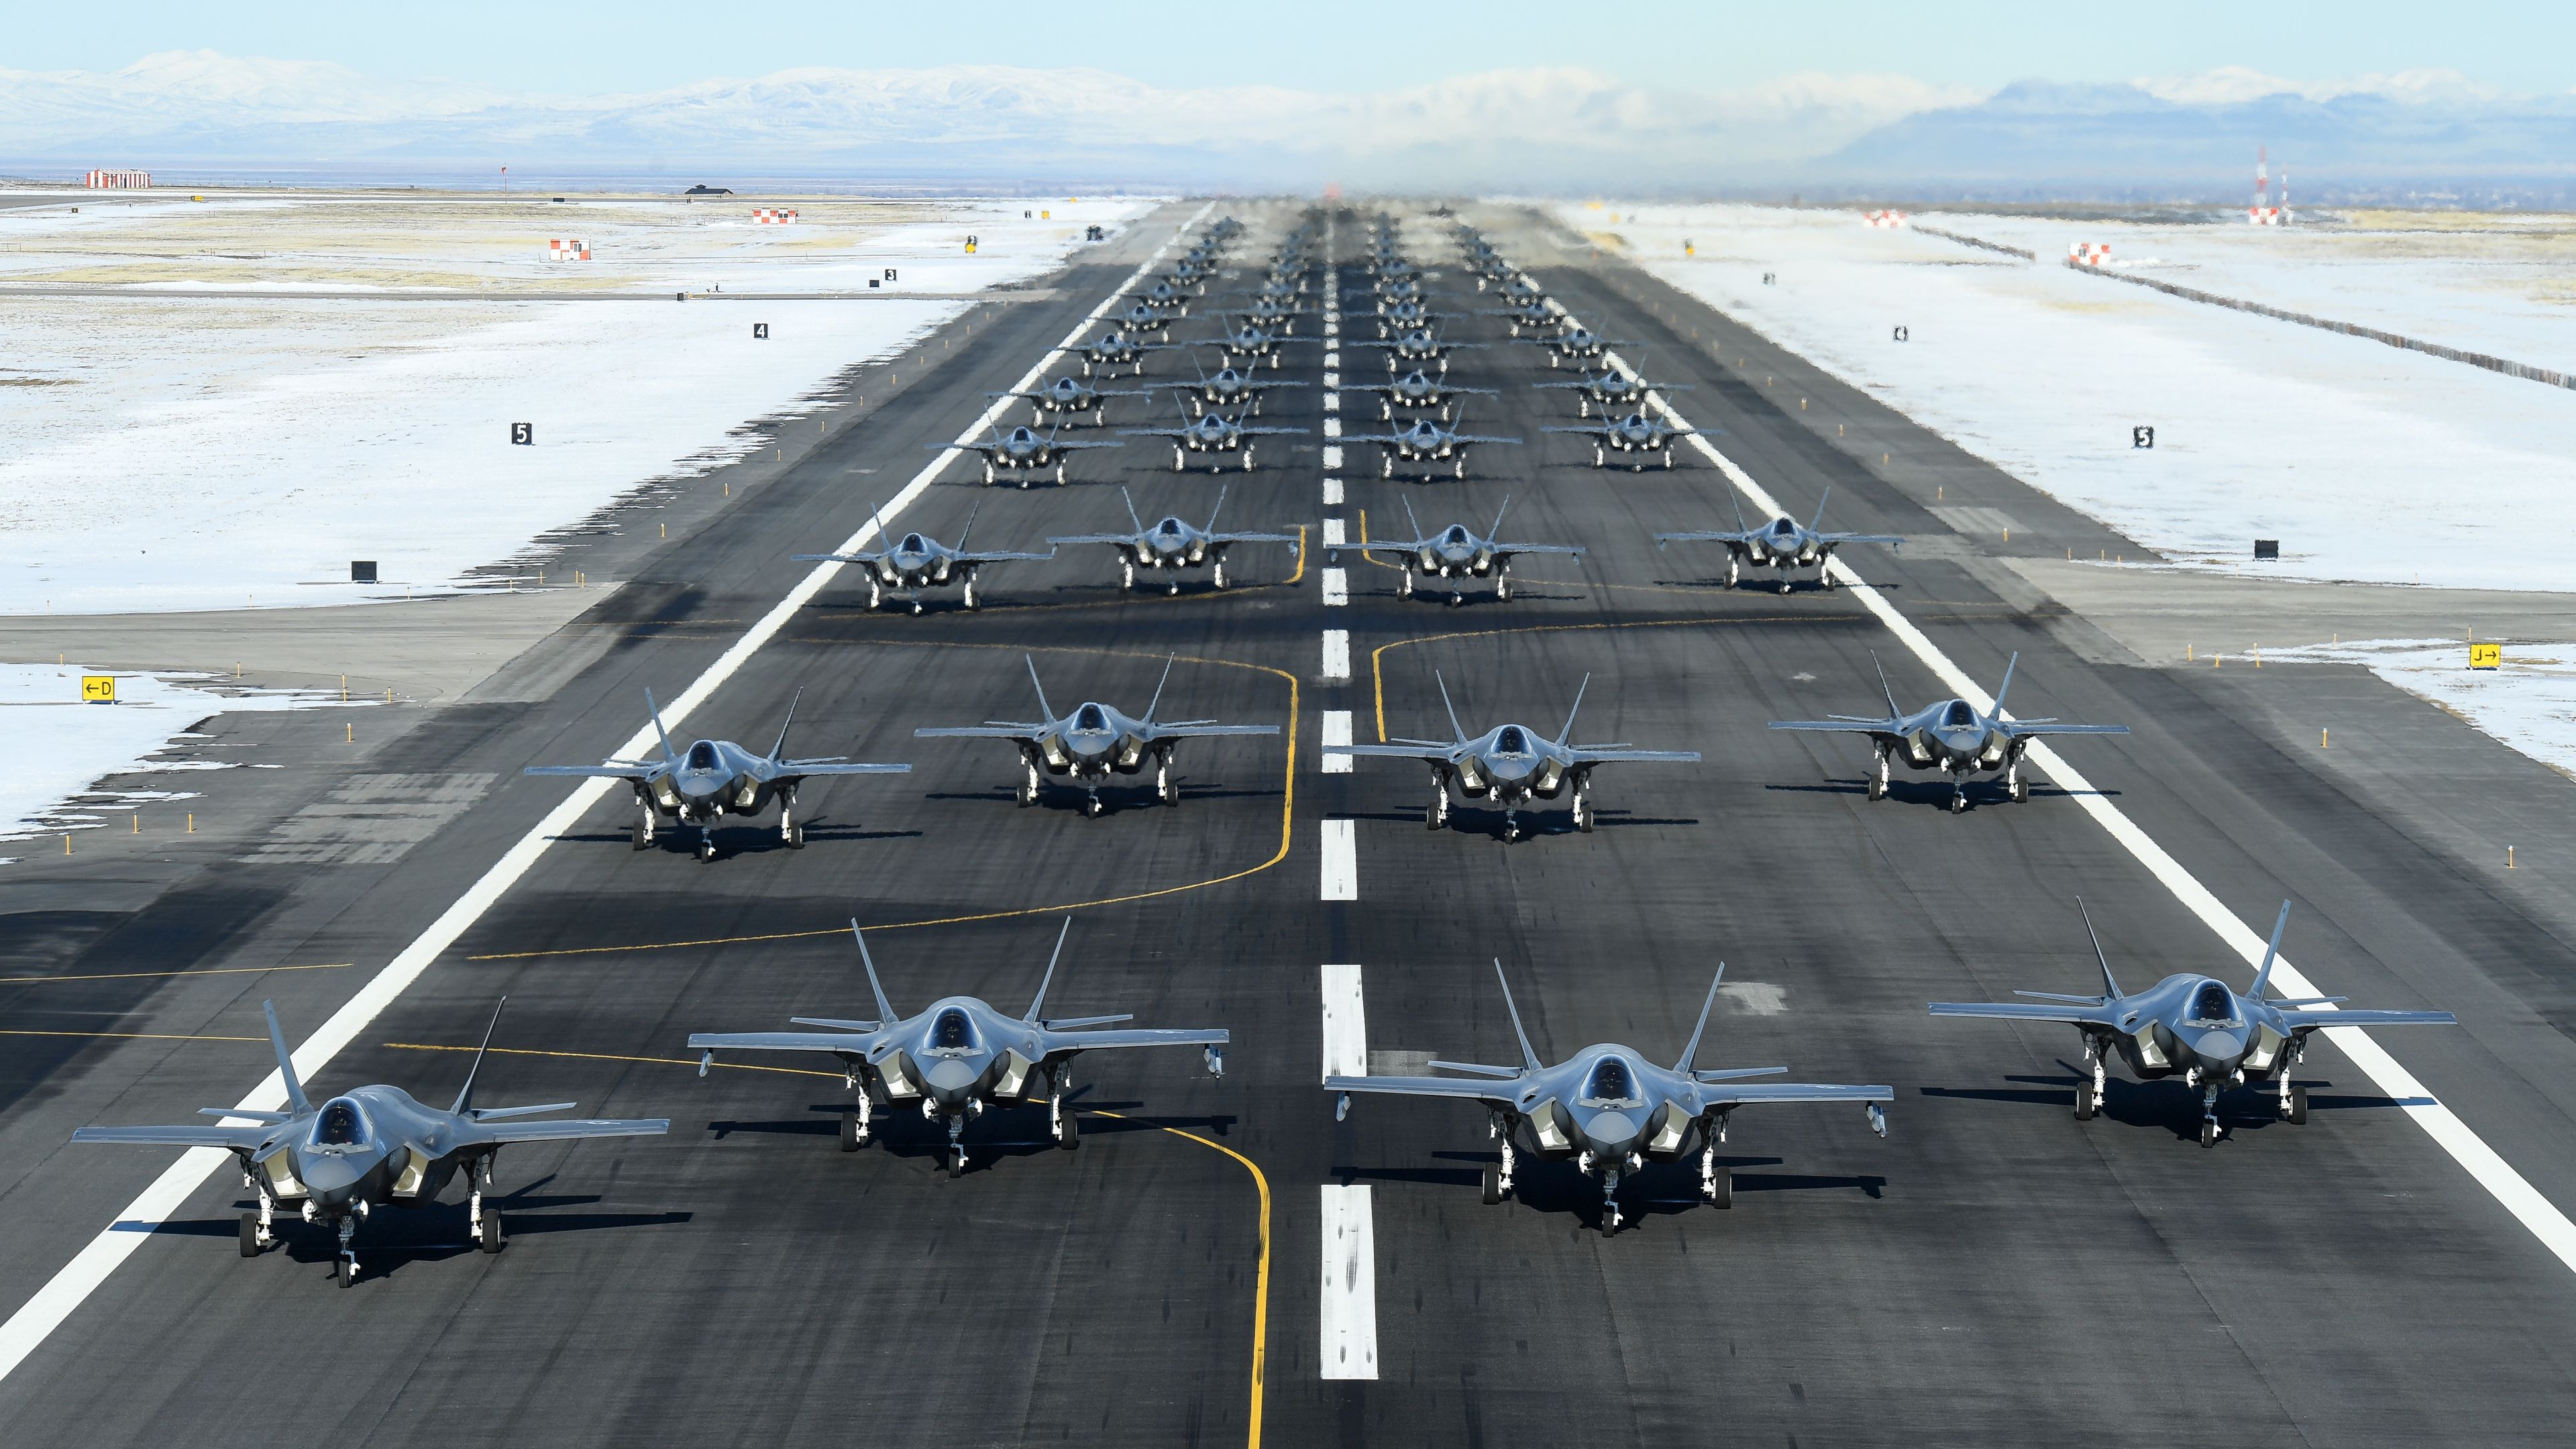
(2051, 727)
(2308, 1020)
(238, 1139)
(799, 769)
(1612, 757)
(1601, 431)
(1156, 432)
(1746, 1094)
(996, 556)
(1266, 431)
(572, 1129)
(844, 1043)
(1737, 537)
(1114, 540)
(1888, 727)
(1388, 545)
(1893, 539)
(612, 771)
(856, 558)
(1083, 443)
(1500, 1093)
(1204, 731)
(1396, 752)
(1066, 1042)
(1512, 548)
(1253, 537)
(2077, 1013)
(1479, 438)
(980, 732)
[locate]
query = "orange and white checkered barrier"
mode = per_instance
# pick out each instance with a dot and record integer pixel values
(772, 216)
(2088, 254)
(118, 180)
(1885, 218)
(567, 251)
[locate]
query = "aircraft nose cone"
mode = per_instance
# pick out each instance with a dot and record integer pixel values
(329, 1178)
(1610, 1131)
(2217, 1046)
(950, 1075)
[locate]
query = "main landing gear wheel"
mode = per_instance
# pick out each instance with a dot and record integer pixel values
(489, 1239)
(1720, 1189)
(853, 1136)
(1599, 458)
(1178, 462)
(1067, 1135)
(1502, 591)
(1218, 577)
(2086, 1103)
(1734, 567)
(1127, 574)
(1404, 584)
(344, 1270)
(250, 1235)
(1958, 802)
(639, 839)
(795, 835)
(1493, 1186)
(1436, 814)
(2295, 1110)
(1878, 787)
(1583, 813)
(1028, 793)
(972, 603)
(876, 595)
(1386, 466)
(1825, 579)
(1059, 475)
(2021, 792)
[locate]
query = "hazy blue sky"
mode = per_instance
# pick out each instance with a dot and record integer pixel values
(580, 48)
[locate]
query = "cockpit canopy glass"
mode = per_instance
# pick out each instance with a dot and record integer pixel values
(1958, 716)
(912, 543)
(1512, 741)
(952, 1031)
(702, 755)
(1090, 717)
(1783, 527)
(1456, 534)
(1169, 528)
(2212, 1003)
(1610, 1081)
(340, 1125)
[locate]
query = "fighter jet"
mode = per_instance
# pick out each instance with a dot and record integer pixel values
(1609, 1108)
(1071, 398)
(716, 778)
(1172, 545)
(1264, 311)
(1164, 297)
(1093, 742)
(1212, 432)
(1417, 348)
(1254, 342)
(1635, 437)
(1610, 388)
(1783, 544)
(1513, 765)
(1144, 317)
(1022, 450)
(1402, 317)
(367, 1148)
(1426, 444)
(1456, 554)
(1227, 386)
(1415, 389)
(1574, 344)
(1116, 348)
(957, 1057)
(2193, 1026)
(917, 561)
(1952, 736)
(1533, 315)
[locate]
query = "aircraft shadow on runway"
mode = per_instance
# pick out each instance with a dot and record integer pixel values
(1934, 793)
(398, 1237)
(1538, 820)
(1000, 1132)
(1057, 798)
(1662, 1189)
(2170, 1104)
(753, 839)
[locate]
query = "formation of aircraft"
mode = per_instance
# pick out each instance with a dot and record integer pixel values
(1172, 544)
(715, 778)
(334, 1163)
(1513, 766)
(917, 561)
(1951, 736)
(1609, 1108)
(1095, 742)
(958, 1056)
(1457, 553)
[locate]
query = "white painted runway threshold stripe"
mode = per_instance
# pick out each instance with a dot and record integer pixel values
(40, 1315)
(1337, 731)
(1349, 1286)
(1345, 1023)
(2492, 1172)
(1341, 860)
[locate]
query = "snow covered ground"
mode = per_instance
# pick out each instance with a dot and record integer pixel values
(2528, 702)
(162, 453)
(59, 745)
(2366, 461)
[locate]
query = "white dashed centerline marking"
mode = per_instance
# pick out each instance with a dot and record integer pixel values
(1337, 731)
(1345, 1023)
(1350, 1285)
(1332, 358)
(1337, 587)
(1337, 657)
(1341, 860)
(1335, 532)
(1332, 459)
(1333, 488)
(1332, 402)
(1332, 427)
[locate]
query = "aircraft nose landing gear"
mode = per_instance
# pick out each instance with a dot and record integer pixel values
(2209, 1115)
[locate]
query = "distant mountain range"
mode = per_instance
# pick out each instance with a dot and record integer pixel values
(1557, 130)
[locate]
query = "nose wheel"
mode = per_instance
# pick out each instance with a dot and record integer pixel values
(955, 1157)
(2209, 1115)
(706, 843)
(1092, 806)
(1610, 1217)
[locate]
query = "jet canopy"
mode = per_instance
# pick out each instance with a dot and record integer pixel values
(1090, 717)
(952, 1032)
(702, 755)
(1457, 534)
(1611, 1081)
(1958, 716)
(1169, 528)
(1782, 528)
(912, 544)
(2213, 1002)
(340, 1124)
(1512, 741)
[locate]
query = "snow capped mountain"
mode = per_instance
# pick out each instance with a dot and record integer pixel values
(1554, 128)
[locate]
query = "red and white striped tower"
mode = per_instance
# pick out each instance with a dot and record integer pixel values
(2285, 196)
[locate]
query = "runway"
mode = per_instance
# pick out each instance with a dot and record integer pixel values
(1992, 1272)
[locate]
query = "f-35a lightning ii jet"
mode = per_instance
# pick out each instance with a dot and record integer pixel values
(917, 561)
(1610, 1109)
(1173, 544)
(1783, 544)
(367, 1148)
(1255, 343)
(1952, 736)
(1417, 348)
(1574, 344)
(1513, 765)
(2195, 1027)
(1426, 444)
(1116, 348)
(1022, 450)
(1094, 742)
(1457, 553)
(1416, 389)
(1227, 386)
(716, 778)
(1212, 432)
(957, 1057)
(1635, 438)
(1610, 390)
(1070, 398)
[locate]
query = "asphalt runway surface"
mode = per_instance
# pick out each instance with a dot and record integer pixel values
(1993, 1272)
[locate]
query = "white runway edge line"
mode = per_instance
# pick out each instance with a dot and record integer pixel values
(1337, 657)
(1345, 1023)
(1337, 731)
(2492, 1172)
(40, 1315)
(1341, 860)
(1349, 1286)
